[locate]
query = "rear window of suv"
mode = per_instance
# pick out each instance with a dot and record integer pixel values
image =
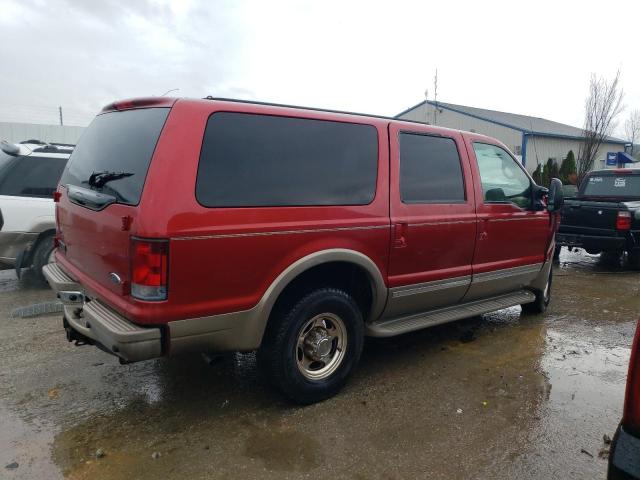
(250, 160)
(119, 143)
(611, 185)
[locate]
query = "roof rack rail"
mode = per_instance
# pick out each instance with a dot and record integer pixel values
(33, 141)
(315, 109)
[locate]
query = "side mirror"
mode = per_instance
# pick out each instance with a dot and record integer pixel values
(556, 196)
(538, 194)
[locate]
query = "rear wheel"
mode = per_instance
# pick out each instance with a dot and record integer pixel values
(543, 298)
(311, 348)
(611, 258)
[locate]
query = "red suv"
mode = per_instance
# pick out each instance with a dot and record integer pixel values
(217, 225)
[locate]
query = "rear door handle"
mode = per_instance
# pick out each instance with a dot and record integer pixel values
(400, 235)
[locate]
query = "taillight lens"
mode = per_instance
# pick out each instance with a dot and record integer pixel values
(631, 415)
(623, 222)
(149, 269)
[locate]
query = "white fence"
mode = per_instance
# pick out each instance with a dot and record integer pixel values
(18, 132)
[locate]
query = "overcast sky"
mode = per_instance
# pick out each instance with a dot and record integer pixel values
(532, 58)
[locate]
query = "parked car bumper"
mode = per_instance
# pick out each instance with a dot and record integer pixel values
(228, 332)
(590, 242)
(12, 244)
(624, 459)
(94, 322)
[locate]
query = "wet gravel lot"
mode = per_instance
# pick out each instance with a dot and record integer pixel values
(502, 396)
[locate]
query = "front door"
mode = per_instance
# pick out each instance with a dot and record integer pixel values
(433, 220)
(512, 237)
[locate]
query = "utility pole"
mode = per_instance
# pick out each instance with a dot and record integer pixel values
(426, 106)
(60, 112)
(435, 98)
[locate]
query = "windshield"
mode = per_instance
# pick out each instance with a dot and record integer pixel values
(611, 186)
(117, 148)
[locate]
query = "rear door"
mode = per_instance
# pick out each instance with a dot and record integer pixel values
(433, 220)
(512, 238)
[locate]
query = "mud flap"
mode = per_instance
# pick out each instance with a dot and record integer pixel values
(19, 259)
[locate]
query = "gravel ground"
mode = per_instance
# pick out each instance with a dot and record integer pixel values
(503, 396)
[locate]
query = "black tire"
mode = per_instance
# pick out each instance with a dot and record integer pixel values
(41, 254)
(556, 253)
(634, 259)
(279, 354)
(611, 258)
(543, 298)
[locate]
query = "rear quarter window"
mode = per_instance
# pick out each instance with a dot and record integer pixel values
(251, 160)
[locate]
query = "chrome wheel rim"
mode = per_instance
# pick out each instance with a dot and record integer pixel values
(321, 346)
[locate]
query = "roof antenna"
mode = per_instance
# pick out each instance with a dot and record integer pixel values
(169, 91)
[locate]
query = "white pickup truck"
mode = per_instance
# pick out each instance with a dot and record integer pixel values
(29, 175)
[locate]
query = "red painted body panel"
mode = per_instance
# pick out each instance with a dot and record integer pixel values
(220, 259)
(224, 259)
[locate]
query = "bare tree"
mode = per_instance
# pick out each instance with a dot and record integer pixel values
(632, 129)
(603, 105)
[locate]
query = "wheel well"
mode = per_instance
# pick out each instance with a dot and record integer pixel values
(345, 276)
(42, 235)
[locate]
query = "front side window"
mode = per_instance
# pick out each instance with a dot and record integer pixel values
(250, 160)
(430, 170)
(31, 176)
(503, 180)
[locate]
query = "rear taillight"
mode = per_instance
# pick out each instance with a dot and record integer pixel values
(149, 268)
(631, 415)
(623, 222)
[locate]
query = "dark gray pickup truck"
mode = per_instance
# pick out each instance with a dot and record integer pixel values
(605, 214)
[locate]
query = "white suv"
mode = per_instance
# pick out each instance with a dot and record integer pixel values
(29, 175)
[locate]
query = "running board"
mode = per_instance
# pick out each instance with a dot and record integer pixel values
(397, 326)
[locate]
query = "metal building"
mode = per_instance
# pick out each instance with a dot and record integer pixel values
(533, 140)
(18, 132)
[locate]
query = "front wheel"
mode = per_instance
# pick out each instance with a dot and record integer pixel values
(543, 298)
(310, 349)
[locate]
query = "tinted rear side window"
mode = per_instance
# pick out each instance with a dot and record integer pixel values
(32, 176)
(252, 160)
(120, 142)
(430, 170)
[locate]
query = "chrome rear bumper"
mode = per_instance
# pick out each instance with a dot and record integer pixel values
(100, 324)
